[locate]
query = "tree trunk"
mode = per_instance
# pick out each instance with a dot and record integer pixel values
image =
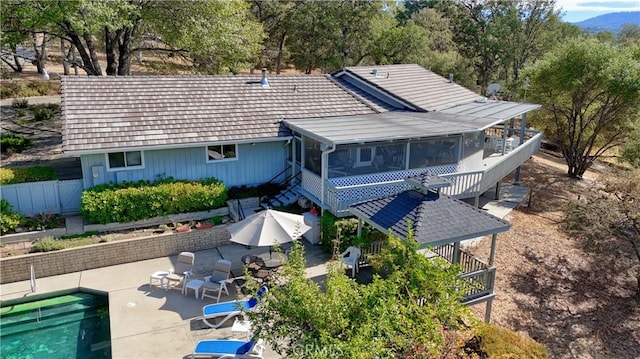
(280, 49)
(41, 52)
(88, 38)
(125, 51)
(65, 58)
(110, 41)
(87, 64)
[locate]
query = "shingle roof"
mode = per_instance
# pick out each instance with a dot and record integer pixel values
(386, 126)
(414, 84)
(492, 109)
(435, 220)
(102, 113)
(378, 104)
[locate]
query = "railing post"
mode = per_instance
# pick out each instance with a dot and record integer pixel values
(32, 279)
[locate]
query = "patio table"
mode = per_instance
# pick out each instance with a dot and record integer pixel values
(273, 260)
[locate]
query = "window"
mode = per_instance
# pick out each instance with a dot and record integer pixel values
(364, 156)
(125, 160)
(218, 153)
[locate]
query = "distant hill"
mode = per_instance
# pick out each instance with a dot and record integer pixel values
(610, 22)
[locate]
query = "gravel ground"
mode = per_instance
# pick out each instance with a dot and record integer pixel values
(577, 303)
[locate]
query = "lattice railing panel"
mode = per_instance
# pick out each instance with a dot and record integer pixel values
(390, 176)
(312, 183)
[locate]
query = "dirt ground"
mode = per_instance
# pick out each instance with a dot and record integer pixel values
(577, 303)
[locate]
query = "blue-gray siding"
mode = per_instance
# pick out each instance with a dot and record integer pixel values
(256, 164)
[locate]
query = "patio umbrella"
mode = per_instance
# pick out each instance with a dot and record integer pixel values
(267, 228)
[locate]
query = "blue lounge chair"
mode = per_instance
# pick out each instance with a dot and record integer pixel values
(226, 310)
(227, 349)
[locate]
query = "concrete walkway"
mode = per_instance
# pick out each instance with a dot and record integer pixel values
(147, 322)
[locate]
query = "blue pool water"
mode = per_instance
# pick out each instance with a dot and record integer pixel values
(66, 326)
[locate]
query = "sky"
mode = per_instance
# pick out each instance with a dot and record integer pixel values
(578, 10)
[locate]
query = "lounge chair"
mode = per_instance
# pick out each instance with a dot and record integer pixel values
(351, 257)
(179, 275)
(217, 281)
(226, 310)
(227, 349)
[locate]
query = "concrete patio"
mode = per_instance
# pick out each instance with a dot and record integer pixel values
(154, 323)
(151, 322)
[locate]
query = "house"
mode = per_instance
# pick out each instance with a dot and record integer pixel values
(357, 142)
(350, 136)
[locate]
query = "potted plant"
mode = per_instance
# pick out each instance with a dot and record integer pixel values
(183, 227)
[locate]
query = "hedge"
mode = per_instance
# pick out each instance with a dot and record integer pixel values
(134, 201)
(27, 174)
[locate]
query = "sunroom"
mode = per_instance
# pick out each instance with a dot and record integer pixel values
(347, 159)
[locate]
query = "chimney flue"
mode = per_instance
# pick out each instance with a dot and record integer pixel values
(264, 82)
(450, 78)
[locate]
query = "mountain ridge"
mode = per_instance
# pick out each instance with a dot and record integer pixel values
(609, 22)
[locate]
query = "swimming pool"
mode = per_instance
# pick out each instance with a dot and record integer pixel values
(71, 325)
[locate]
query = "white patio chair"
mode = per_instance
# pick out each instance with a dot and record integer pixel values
(351, 257)
(179, 275)
(217, 281)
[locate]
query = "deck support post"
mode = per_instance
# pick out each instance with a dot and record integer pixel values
(492, 255)
(487, 311)
(359, 233)
(476, 201)
(497, 196)
(456, 253)
(523, 126)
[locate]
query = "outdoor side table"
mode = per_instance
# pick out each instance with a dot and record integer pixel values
(157, 279)
(241, 326)
(194, 284)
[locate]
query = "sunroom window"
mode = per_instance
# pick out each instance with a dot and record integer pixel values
(125, 160)
(217, 153)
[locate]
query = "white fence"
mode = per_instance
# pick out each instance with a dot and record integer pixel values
(54, 197)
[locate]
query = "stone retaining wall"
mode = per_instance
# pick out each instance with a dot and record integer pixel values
(13, 269)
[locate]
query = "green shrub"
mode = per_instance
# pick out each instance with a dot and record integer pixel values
(44, 221)
(20, 103)
(502, 343)
(131, 201)
(48, 244)
(13, 142)
(43, 114)
(27, 174)
(9, 219)
(21, 112)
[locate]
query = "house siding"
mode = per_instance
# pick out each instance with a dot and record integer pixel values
(256, 164)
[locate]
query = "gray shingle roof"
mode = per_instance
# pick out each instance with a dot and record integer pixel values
(435, 220)
(492, 109)
(102, 113)
(415, 85)
(387, 126)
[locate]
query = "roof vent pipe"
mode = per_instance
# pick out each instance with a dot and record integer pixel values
(374, 72)
(451, 78)
(264, 82)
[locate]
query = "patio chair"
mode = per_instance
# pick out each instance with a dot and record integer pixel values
(217, 282)
(227, 349)
(226, 310)
(181, 272)
(351, 257)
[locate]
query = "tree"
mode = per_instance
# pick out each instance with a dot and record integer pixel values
(412, 312)
(606, 219)
(218, 35)
(590, 93)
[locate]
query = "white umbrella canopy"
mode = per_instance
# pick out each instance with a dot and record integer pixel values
(267, 228)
